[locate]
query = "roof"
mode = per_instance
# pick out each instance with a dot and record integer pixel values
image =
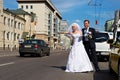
(9, 11)
(22, 12)
(19, 11)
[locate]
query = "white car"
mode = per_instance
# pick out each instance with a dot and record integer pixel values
(102, 47)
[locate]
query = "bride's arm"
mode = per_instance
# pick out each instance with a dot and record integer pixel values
(68, 34)
(81, 33)
(63, 32)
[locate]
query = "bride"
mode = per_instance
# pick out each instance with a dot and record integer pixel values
(78, 60)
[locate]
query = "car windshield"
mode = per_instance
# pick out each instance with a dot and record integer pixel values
(101, 37)
(31, 42)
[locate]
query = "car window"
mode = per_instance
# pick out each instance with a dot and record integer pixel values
(43, 42)
(31, 42)
(101, 37)
(40, 42)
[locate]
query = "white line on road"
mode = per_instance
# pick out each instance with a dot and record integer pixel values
(7, 64)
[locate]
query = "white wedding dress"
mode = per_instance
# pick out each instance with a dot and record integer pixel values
(78, 60)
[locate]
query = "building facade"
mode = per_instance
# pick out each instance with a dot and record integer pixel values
(13, 24)
(29, 28)
(108, 25)
(11, 29)
(47, 19)
(64, 40)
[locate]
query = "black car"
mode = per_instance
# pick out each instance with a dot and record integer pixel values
(35, 47)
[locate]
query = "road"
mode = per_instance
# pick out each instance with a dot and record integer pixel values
(46, 68)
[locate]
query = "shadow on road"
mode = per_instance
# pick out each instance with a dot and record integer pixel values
(60, 67)
(104, 75)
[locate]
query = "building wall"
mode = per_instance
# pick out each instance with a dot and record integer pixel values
(44, 30)
(38, 9)
(108, 25)
(64, 40)
(1, 7)
(10, 31)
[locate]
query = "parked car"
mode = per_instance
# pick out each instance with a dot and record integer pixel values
(34, 47)
(102, 47)
(114, 58)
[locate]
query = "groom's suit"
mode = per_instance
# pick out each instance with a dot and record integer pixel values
(89, 44)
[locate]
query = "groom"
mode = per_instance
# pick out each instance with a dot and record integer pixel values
(89, 43)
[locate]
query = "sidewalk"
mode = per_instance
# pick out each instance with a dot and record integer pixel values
(8, 53)
(16, 52)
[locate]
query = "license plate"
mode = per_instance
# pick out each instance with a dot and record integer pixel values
(27, 46)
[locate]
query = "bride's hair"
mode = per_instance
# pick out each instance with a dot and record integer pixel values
(74, 24)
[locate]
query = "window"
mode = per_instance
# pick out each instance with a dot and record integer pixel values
(101, 37)
(18, 36)
(14, 36)
(26, 6)
(31, 7)
(15, 24)
(3, 35)
(9, 22)
(22, 26)
(48, 38)
(8, 35)
(22, 6)
(31, 41)
(4, 20)
(19, 25)
(43, 43)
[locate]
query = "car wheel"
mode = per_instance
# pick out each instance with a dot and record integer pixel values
(40, 53)
(119, 71)
(48, 54)
(21, 55)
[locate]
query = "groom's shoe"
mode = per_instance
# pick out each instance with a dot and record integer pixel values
(97, 70)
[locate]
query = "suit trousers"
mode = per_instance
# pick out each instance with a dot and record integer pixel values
(90, 49)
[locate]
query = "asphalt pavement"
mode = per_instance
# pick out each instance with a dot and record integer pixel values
(16, 52)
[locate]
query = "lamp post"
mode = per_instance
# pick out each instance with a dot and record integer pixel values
(115, 24)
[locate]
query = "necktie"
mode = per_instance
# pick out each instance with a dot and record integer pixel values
(86, 34)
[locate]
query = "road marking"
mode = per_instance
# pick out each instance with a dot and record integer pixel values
(7, 64)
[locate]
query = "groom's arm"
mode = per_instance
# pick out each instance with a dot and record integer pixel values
(94, 33)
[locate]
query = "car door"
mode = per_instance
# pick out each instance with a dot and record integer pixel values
(114, 58)
(46, 48)
(42, 46)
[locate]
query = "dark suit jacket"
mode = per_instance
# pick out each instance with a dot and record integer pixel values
(92, 40)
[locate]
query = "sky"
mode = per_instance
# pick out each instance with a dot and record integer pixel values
(79, 10)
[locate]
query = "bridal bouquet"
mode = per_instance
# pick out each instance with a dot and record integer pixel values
(89, 35)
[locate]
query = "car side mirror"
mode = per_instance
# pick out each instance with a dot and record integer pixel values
(110, 41)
